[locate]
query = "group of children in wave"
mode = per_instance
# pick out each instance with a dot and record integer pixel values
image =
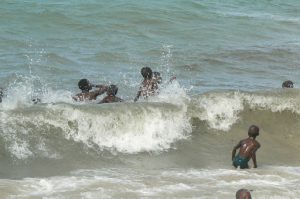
(149, 87)
(247, 147)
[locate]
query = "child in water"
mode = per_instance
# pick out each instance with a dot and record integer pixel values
(85, 86)
(149, 85)
(111, 97)
(288, 84)
(247, 149)
(157, 77)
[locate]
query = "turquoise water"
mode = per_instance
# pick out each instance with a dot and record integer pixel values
(230, 59)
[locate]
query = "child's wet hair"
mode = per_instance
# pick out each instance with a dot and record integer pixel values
(253, 131)
(288, 84)
(84, 84)
(146, 72)
(112, 90)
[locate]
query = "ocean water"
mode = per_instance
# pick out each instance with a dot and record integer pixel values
(230, 59)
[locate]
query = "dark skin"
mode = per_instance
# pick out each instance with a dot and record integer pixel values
(148, 88)
(243, 194)
(247, 148)
(87, 95)
(110, 99)
(1, 94)
(288, 84)
(157, 77)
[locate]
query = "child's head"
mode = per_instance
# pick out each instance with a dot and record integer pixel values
(288, 84)
(253, 131)
(84, 85)
(157, 77)
(146, 72)
(243, 194)
(112, 90)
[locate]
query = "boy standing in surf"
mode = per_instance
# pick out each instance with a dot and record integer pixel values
(85, 86)
(247, 149)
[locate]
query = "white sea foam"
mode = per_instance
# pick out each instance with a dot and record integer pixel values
(133, 128)
(268, 182)
(222, 109)
(127, 130)
(26, 90)
(22, 134)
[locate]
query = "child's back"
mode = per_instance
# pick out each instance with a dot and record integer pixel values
(149, 85)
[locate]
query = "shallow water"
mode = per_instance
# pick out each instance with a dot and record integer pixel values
(230, 59)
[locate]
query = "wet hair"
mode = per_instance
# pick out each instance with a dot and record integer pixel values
(112, 90)
(146, 72)
(243, 194)
(253, 131)
(157, 76)
(288, 84)
(84, 85)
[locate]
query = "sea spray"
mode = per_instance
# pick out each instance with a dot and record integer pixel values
(222, 109)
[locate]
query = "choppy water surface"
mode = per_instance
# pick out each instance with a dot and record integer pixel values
(229, 58)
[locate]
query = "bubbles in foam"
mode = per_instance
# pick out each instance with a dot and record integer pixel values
(21, 132)
(220, 110)
(25, 90)
(276, 102)
(168, 183)
(22, 91)
(125, 127)
(54, 96)
(173, 93)
(128, 128)
(19, 149)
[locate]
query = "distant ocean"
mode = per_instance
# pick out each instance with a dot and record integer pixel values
(230, 59)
